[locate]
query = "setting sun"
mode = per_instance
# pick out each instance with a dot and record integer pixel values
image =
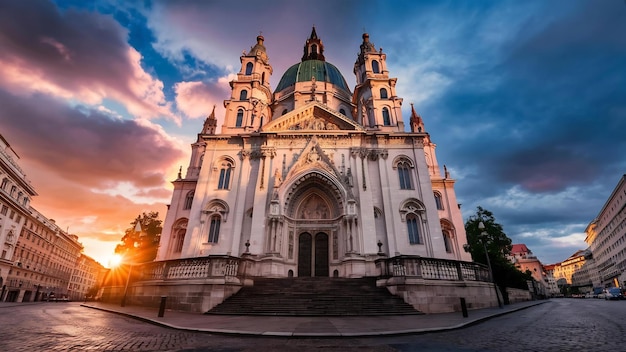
(115, 260)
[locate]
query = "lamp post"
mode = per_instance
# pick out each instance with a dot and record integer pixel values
(123, 303)
(482, 237)
(130, 264)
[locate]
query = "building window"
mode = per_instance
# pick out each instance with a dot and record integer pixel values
(243, 95)
(180, 239)
(4, 210)
(224, 179)
(5, 181)
(412, 212)
(386, 119)
(383, 93)
(404, 173)
(284, 112)
(375, 67)
(214, 229)
(249, 67)
(13, 190)
(342, 111)
(412, 223)
(438, 201)
(447, 241)
(239, 121)
(188, 200)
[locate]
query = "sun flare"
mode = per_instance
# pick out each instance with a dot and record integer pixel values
(115, 260)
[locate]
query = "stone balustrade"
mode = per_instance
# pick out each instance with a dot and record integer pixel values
(432, 269)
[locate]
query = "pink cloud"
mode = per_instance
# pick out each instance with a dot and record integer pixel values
(75, 55)
(87, 146)
(196, 99)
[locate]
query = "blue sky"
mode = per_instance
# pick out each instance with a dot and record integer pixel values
(526, 100)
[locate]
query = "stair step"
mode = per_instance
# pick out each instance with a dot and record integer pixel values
(314, 297)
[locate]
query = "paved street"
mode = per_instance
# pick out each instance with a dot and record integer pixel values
(559, 325)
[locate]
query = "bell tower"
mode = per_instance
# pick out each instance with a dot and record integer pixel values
(249, 105)
(378, 106)
(313, 48)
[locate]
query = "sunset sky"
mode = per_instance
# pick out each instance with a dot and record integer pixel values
(526, 100)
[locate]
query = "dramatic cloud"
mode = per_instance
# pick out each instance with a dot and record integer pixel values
(197, 99)
(75, 55)
(77, 158)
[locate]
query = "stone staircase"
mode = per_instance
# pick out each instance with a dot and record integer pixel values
(314, 296)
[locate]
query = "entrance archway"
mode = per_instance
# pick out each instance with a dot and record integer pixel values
(313, 255)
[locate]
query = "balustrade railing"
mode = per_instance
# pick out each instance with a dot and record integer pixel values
(192, 268)
(432, 269)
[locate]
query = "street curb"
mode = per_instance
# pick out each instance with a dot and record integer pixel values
(317, 335)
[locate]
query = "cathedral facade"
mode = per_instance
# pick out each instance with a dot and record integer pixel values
(311, 178)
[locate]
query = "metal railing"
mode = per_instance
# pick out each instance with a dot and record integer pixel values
(432, 269)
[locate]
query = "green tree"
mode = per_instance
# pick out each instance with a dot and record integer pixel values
(498, 245)
(141, 241)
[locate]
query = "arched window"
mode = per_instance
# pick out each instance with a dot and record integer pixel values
(412, 224)
(438, 201)
(180, 240)
(249, 67)
(225, 172)
(188, 200)
(314, 49)
(404, 174)
(214, 228)
(412, 212)
(13, 190)
(284, 112)
(342, 111)
(447, 241)
(383, 93)
(239, 121)
(375, 67)
(5, 181)
(386, 119)
(243, 95)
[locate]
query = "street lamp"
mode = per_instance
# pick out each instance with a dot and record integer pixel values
(481, 238)
(130, 268)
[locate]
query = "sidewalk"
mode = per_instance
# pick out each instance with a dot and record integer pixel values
(311, 326)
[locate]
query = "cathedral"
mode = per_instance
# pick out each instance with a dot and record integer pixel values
(311, 178)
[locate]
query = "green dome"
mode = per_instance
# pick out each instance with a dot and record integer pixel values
(303, 71)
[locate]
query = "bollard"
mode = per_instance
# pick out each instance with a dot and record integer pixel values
(463, 307)
(162, 306)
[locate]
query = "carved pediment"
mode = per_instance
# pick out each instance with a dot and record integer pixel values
(313, 157)
(312, 117)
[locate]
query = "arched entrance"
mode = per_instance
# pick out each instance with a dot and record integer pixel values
(313, 255)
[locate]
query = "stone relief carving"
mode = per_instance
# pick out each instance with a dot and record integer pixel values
(314, 208)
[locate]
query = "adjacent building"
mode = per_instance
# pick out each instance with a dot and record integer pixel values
(16, 193)
(37, 257)
(524, 260)
(86, 278)
(575, 271)
(606, 237)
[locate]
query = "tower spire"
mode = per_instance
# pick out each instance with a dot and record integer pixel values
(313, 48)
(417, 124)
(210, 124)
